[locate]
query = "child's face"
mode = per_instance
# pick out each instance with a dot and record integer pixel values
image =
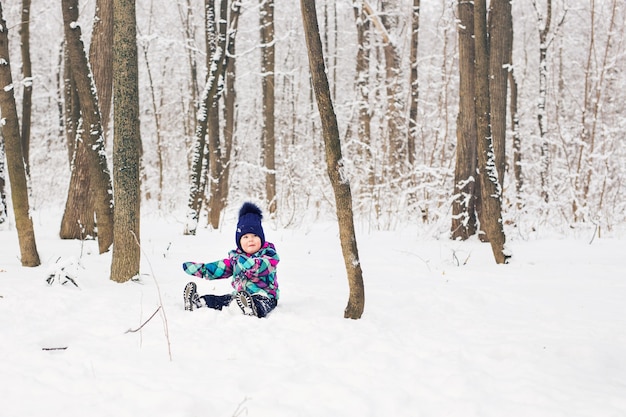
(250, 243)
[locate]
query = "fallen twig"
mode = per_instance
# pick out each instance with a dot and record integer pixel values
(144, 323)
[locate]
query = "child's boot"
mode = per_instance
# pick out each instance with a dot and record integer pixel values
(246, 303)
(190, 296)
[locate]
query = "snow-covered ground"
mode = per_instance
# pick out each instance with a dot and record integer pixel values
(446, 331)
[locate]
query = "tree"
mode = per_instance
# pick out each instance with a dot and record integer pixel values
(215, 67)
(500, 47)
(101, 57)
(464, 222)
(15, 158)
(215, 70)
(414, 82)
(543, 93)
(27, 75)
(126, 144)
(334, 162)
(491, 189)
(364, 129)
(99, 175)
(267, 86)
(78, 220)
(220, 151)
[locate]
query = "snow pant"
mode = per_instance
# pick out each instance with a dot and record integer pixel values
(264, 305)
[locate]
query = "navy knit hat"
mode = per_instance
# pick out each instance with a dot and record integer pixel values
(249, 222)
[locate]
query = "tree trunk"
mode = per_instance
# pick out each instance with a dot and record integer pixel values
(215, 70)
(126, 144)
(340, 184)
(414, 82)
(500, 46)
(216, 40)
(465, 181)
(27, 75)
(267, 86)
(100, 177)
(491, 190)
(541, 103)
(101, 57)
(15, 158)
(78, 220)
(362, 81)
(517, 140)
(230, 99)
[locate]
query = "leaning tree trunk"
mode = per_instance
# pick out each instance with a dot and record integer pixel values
(340, 184)
(126, 144)
(100, 177)
(15, 158)
(464, 222)
(491, 190)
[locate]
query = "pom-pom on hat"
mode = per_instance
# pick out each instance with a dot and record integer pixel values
(250, 217)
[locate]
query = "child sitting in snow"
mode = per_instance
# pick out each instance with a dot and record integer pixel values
(252, 267)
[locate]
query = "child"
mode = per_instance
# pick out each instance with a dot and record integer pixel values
(252, 267)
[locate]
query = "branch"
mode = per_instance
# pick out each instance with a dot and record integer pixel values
(144, 323)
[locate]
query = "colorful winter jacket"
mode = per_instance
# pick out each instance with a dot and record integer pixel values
(254, 273)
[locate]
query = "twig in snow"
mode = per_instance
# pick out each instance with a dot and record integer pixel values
(144, 323)
(166, 329)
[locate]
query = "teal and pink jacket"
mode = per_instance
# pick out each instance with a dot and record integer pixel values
(254, 273)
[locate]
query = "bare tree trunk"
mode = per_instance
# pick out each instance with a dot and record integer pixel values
(218, 202)
(78, 220)
(101, 57)
(186, 17)
(126, 144)
(491, 189)
(341, 185)
(71, 108)
(219, 62)
(15, 158)
(100, 177)
(414, 81)
(500, 47)
(215, 41)
(395, 105)
(27, 74)
(267, 85)
(541, 104)
(364, 129)
(199, 164)
(517, 140)
(464, 222)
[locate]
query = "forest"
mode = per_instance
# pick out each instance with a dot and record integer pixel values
(395, 71)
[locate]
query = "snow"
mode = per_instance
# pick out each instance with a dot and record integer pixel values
(446, 331)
